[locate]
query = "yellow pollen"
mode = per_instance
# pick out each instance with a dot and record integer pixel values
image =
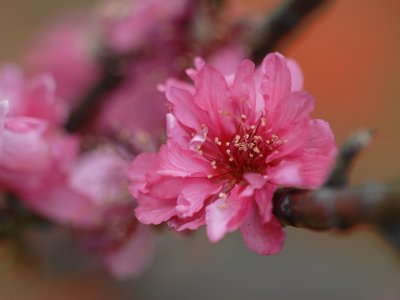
(217, 141)
(209, 176)
(243, 117)
(263, 122)
(222, 195)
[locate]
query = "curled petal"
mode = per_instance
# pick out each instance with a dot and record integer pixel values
(227, 213)
(194, 193)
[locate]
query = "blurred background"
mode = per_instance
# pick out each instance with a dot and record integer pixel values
(349, 54)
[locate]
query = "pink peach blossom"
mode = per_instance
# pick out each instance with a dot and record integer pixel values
(232, 141)
(68, 50)
(36, 154)
(35, 97)
(123, 244)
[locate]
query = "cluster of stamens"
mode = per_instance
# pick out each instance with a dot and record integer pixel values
(246, 151)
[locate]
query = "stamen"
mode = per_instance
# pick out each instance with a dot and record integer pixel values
(263, 122)
(222, 195)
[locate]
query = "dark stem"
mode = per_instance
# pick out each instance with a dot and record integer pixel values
(279, 24)
(113, 69)
(337, 206)
(14, 217)
(342, 209)
(339, 176)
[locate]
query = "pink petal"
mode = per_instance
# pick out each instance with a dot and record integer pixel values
(263, 198)
(176, 131)
(276, 84)
(133, 256)
(318, 154)
(153, 210)
(256, 180)
(26, 148)
(39, 100)
(243, 90)
(65, 206)
(263, 238)
(100, 175)
(293, 108)
(296, 75)
(174, 161)
(227, 213)
(4, 108)
(184, 107)
(263, 193)
(142, 164)
(213, 96)
(287, 173)
(308, 166)
(189, 223)
(11, 84)
(193, 194)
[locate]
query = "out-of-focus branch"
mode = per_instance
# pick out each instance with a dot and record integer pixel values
(337, 206)
(279, 24)
(112, 74)
(340, 174)
(14, 217)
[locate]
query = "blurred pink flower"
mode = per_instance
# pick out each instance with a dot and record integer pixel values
(130, 24)
(36, 155)
(67, 50)
(31, 98)
(35, 151)
(124, 245)
(232, 141)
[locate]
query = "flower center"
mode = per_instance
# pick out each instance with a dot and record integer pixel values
(246, 151)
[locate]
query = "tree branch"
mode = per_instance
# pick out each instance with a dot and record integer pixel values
(337, 206)
(279, 24)
(112, 74)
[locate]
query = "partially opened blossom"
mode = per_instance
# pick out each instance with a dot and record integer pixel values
(232, 141)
